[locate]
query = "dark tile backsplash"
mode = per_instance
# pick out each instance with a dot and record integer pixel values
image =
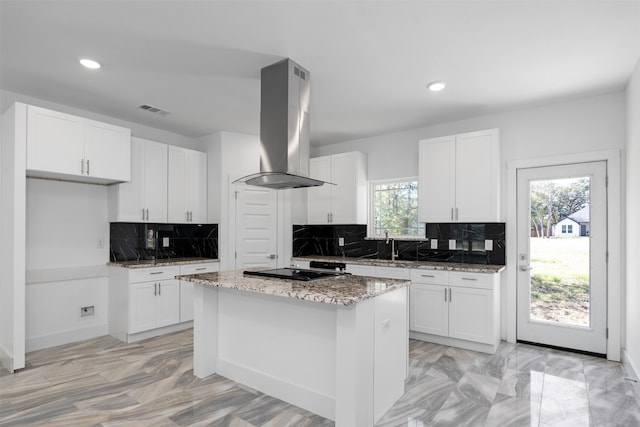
(310, 240)
(129, 242)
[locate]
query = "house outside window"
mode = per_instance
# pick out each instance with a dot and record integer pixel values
(394, 208)
(567, 228)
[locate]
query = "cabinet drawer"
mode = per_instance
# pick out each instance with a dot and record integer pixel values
(471, 280)
(153, 274)
(434, 277)
(393, 273)
(199, 268)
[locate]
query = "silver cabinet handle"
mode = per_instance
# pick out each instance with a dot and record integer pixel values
(427, 275)
(87, 167)
(147, 214)
(445, 294)
(451, 214)
(81, 166)
(190, 216)
(143, 214)
(450, 298)
(186, 216)
(156, 272)
(525, 268)
(456, 214)
(159, 288)
(328, 217)
(201, 268)
(473, 279)
(155, 289)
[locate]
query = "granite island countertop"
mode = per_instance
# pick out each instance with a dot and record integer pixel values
(340, 290)
(143, 263)
(431, 265)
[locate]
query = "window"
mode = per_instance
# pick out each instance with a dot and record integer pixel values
(394, 208)
(564, 229)
(567, 228)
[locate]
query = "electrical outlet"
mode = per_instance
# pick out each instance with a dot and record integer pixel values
(452, 244)
(100, 244)
(340, 241)
(488, 245)
(434, 243)
(165, 242)
(87, 311)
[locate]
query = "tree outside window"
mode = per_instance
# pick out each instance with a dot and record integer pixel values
(394, 208)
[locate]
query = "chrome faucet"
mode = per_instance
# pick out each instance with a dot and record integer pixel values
(393, 245)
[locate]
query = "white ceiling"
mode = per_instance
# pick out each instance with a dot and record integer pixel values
(369, 60)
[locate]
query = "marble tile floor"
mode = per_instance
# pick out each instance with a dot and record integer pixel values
(104, 382)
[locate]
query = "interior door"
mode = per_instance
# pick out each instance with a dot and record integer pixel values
(561, 279)
(256, 220)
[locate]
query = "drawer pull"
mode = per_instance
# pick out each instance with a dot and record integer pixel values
(156, 272)
(201, 268)
(470, 278)
(427, 275)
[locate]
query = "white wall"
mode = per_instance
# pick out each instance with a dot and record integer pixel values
(632, 342)
(578, 126)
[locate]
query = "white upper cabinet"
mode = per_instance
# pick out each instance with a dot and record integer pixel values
(187, 198)
(345, 202)
(144, 198)
(63, 146)
(460, 178)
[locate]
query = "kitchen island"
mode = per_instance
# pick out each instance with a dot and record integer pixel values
(337, 347)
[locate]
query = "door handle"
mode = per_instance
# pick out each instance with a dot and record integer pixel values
(272, 256)
(525, 268)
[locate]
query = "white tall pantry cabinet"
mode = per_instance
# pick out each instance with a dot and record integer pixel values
(459, 178)
(345, 202)
(187, 185)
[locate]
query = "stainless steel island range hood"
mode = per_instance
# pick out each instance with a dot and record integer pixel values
(284, 128)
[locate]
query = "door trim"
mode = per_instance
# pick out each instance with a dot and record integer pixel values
(614, 240)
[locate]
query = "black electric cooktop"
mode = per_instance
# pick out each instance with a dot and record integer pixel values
(294, 274)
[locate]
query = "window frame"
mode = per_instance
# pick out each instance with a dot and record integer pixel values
(371, 210)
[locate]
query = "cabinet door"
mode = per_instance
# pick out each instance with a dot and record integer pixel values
(477, 177)
(428, 309)
(168, 303)
(129, 196)
(186, 288)
(107, 151)
(55, 142)
(155, 181)
(471, 314)
(345, 208)
(197, 186)
(319, 198)
(177, 185)
(142, 306)
(436, 188)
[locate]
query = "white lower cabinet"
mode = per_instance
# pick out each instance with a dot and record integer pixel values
(186, 288)
(455, 308)
(142, 301)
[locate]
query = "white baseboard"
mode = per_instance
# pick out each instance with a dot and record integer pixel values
(66, 337)
(6, 360)
(632, 372)
(455, 342)
(157, 332)
(296, 395)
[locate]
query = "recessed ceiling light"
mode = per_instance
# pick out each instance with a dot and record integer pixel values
(90, 63)
(436, 86)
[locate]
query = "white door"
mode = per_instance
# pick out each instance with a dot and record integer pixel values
(562, 282)
(471, 314)
(142, 306)
(436, 188)
(319, 198)
(168, 303)
(107, 150)
(155, 181)
(256, 227)
(177, 185)
(429, 311)
(197, 186)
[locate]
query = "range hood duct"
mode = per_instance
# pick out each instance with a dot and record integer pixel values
(284, 128)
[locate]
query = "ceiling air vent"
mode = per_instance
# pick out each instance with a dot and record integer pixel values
(154, 110)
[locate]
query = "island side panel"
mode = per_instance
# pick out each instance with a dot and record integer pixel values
(391, 349)
(284, 347)
(205, 330)
(355, 365)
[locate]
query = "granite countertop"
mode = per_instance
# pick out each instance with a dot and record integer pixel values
(447, 266)
(340, 290)
(143, 263)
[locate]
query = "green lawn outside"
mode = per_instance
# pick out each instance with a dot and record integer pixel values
(560, 280)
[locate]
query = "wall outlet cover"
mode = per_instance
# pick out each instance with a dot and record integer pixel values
(340, 241)
(452, 244)
(488, 245)
(434, 243)
(165, 242)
